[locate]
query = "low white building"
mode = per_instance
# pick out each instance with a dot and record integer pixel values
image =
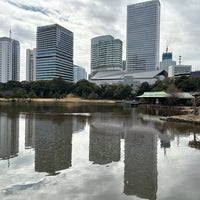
(165, 64)
(179, 70)
(128, 77)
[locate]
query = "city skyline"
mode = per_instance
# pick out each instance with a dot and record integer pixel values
(86, 20)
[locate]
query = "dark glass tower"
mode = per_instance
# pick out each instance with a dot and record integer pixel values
(54, 57)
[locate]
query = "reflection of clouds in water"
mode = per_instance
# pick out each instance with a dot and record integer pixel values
(78, 123)
(179, 169)
(76, 184)
(19, 188)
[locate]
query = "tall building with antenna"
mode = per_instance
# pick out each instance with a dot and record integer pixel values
(143, 36)
(167, 60)
(9, 59)
(167, 55)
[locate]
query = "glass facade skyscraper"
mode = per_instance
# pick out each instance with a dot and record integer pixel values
(9, 60)
(31, 64)
(106, 53)
(79, 73)
(143, 36)
(54, 57)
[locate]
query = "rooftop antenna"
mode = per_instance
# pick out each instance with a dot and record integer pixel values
(10, 33)
(168, 43)
(180, 60)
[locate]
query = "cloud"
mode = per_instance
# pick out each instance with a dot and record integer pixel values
(179, 24)
(29, 8)
(88, 19)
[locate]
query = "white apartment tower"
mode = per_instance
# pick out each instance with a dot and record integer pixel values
(9, 60)
(106, 53)
(31, 64)
(143, 36)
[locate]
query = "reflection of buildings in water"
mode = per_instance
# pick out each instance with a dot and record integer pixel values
(104, 144)
(173, 128)
(9, 136)
(164, 140)
(195, 143)
(132, 119)
(78, 123)
(140, 176)
(176, 130)
(116, 120)
(30, 131)
(53, 143)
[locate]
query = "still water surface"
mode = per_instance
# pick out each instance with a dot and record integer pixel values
(95, 152)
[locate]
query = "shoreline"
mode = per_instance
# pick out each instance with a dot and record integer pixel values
(53, 100)
(188, 118)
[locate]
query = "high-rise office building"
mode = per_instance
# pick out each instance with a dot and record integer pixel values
(79, 73)
(143, 36)
(106, 53)
(9, 59)
(31, 64)
(54, 57)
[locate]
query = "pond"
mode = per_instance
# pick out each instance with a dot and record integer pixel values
(95, 152)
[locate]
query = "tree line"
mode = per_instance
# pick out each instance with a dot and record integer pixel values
(59, 88)
(172, 85)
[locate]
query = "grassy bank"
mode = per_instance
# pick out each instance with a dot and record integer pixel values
(51, 100)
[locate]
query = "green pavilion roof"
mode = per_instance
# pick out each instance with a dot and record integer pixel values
(154, 95)
(162, 94)
(184, 95)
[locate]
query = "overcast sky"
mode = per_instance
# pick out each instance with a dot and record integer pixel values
(180, 28)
